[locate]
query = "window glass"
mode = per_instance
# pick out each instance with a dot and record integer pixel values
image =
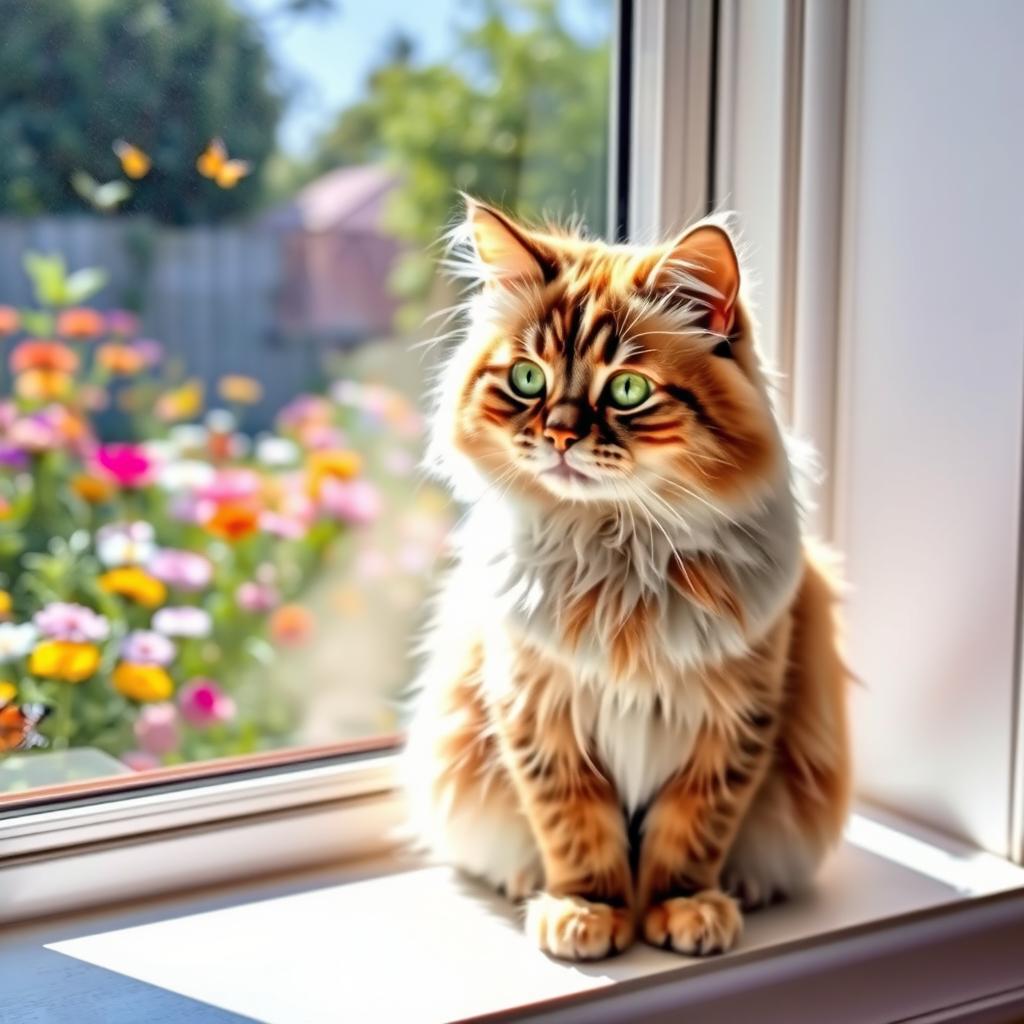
(217, 254)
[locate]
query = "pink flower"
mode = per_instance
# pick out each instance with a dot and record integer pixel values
(257, 598)
(122, 322)
(354, 501)
(286, 527)
(303, 409)
(73, 623)
(186, 570)
(140, 760)
(231, 485)
(321, 436)
(128, 464)
(151, 351)
(146, 647)
(183, 621)
(156, 729)
(204, 703)
(35, 433)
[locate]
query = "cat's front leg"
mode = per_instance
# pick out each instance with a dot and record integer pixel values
(687, 834)
(585, 910)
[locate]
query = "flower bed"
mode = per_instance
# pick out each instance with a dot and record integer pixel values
(149, 583)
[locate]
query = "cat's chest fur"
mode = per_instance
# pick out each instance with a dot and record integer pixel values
(624, 603)
(629, 617)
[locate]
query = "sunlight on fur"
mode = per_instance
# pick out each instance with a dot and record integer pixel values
(632, 707)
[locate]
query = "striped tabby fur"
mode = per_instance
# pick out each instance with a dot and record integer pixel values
(632, 711)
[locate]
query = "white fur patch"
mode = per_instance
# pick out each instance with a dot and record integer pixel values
(640, 750)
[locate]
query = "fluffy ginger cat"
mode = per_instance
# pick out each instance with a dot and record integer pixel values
(632, 711)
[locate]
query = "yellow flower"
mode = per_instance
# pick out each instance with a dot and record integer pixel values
(135, 584)
(182, 403)
(142, 682)
(5, 604)
(8, 691)
(243, 390)
(43, 385)
(337, 465)
(62, 659)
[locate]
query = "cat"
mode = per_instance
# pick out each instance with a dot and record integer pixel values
(631, 713)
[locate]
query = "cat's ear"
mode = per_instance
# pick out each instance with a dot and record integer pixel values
(508, 252)
(703, 265)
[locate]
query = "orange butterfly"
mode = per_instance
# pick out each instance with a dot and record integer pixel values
(134, 162)
(18, 726)
(214, 163)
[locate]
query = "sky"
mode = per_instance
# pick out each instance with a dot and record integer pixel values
(329, 56)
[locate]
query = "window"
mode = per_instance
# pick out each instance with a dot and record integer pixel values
(217, 253)
(827, 128)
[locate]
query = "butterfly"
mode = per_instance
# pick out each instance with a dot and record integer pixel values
(18, 726)
(105, 197)
(134, 162)
(214, 163)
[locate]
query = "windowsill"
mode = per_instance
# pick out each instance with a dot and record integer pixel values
(392, 942)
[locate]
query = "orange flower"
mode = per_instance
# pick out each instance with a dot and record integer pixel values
(80, 323)
(92, 489)
(331, 465)
(72, 427)
(291, 625)
(243, 390)
(44, 355)
(142, 682)
(135, 584)
(64, 660)
(234, 520)
(120, 359)
(10, 320)
(43, 385)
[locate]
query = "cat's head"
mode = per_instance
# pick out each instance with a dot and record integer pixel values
(606, 374)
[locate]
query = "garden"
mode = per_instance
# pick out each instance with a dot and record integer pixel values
(154, 557)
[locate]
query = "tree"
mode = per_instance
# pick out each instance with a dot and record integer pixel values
(166, 75)
(519, 116)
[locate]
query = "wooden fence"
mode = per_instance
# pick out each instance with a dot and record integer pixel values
(210, 294)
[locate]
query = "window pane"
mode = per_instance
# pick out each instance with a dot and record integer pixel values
(217, 228)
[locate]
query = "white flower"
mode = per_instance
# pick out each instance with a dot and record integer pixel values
(185, 475)
(125, 543)
(188, 437)
(183, 621)
(274, 451)
(16, 640)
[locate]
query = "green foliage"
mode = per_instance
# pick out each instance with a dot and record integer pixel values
(167, 75)
(55, 287)
(518, 116)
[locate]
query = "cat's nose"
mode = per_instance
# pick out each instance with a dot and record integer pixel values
(566, 424)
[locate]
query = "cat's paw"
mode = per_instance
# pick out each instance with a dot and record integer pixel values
(701, 925)
(572, 928)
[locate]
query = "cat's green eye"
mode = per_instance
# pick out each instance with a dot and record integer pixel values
(526, 378)
(627, 390)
